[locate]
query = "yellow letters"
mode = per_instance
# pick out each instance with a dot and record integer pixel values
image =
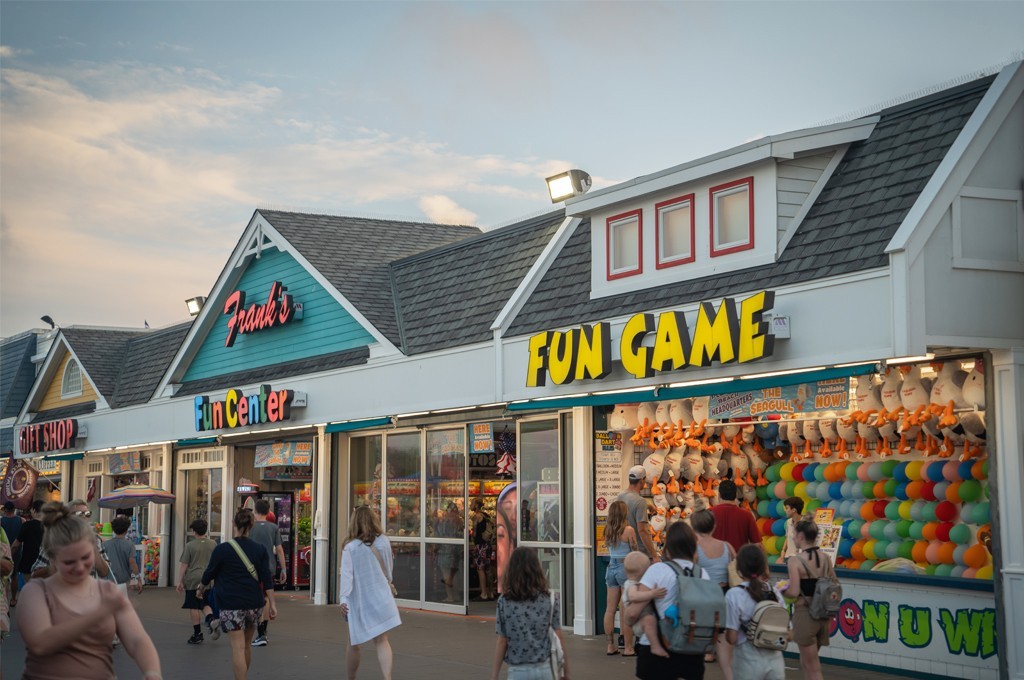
(536, 370)
(594, 360)
(671, 343)
(714, 336)
(754, 341)
(635, 357)
(562, 356)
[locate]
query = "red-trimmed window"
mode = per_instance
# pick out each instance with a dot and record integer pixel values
(625, 244)
(674, 232)
(732, 217)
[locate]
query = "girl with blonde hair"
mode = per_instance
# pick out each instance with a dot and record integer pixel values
(366, 599)
(68, 620)
(620, 539)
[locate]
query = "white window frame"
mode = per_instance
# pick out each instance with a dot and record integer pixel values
(610, 225)
(662, 208)
(730, 188)
(65, 389)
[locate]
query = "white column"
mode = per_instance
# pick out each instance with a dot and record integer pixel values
(1005, 414)
(321, 517)
(166, 451)
(583, 528)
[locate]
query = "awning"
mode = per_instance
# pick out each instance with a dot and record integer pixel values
(350, 425)
(666, 393)
(198, 441)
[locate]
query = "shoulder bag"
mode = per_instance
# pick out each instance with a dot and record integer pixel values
(384, 570)
(245, 559)
(557, 658)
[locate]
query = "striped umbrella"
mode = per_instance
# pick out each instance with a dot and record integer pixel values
(134, 495)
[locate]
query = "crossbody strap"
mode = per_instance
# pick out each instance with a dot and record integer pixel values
(245, 559)
(380, 561)
(551, 611)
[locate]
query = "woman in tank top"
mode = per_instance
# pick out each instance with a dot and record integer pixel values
(68, 620)
(620, 539)
(804, 569)
(713, 556)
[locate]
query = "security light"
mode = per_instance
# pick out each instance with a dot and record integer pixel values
(195, 305)
(568, 184)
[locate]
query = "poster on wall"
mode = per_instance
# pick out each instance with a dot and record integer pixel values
(823, 395)
(284, 453)
(607, 469)
(828, 534)
(483, 438)
(124, 462)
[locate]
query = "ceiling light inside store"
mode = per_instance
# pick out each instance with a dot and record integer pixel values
(909, 360)
(628, 389)
(706, 381)
(854, 363)
(773, 374)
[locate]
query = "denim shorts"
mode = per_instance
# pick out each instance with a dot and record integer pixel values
(530, 671)
(615, 576)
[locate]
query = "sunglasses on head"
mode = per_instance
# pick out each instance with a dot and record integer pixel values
(83, 513)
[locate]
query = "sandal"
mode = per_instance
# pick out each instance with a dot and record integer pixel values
(710, 657)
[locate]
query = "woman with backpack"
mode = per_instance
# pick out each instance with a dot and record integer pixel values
(714, 556)
(805, 568)
(745, 618)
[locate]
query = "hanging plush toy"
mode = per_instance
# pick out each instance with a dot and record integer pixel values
(946, 399)
(869, 404)
(730, 436)
(849, 440)
(915, 396)
(691, 470)
(654, 466)
(623, 418)
(795, 436)
(657, 526)
(644, 434)
(680, 412)
(757, 465)
(740, 468)
(658, 495)
(766, 433)
(673, 490)
(673, 461)
(712, 468)
(812, 437)
(829, 435)
(973, 422)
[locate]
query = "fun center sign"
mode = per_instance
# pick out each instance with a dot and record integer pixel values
(734, 332)
(239, 410)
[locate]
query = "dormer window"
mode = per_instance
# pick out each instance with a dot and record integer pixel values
(625, 244)
(732, 217)
(674, 231)
(71, 383)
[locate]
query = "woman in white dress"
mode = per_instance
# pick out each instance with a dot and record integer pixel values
(366, 599)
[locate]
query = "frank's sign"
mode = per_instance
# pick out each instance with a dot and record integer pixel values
(734, 332)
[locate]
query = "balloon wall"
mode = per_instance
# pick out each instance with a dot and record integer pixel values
(935, 512)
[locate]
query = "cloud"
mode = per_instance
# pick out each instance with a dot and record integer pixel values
(444, 210)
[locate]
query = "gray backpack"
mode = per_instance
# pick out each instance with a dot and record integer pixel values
(824, 604)
(692, 623)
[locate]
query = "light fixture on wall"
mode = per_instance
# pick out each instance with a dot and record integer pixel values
(195, 305)
(46, 319)
(567, 184)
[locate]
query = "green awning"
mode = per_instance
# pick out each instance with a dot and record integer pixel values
(199, 441)
(357, 425)
(666, 393)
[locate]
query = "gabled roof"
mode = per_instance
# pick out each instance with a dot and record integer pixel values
(102, 353)
(17, 373)
(317, 364)
(450, 296)
(145, 360)
(846, 231)
(353, 254)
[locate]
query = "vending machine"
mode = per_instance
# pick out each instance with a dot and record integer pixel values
(292, 514)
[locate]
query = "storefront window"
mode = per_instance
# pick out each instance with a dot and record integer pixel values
(204, 496)
(446, 483)
(539, 482)
(444, 564)
(406, 575)
(365, 471)
(402, 517)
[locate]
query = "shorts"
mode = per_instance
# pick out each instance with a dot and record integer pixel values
(240, 619)
(615, 576)
(753, 663)
(650, 667)
(482, 556)
(808, 631)
(530, 671)
(193, 602)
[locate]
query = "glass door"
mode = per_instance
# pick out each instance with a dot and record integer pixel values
(538, 500)
(204, 493)
(445, 520)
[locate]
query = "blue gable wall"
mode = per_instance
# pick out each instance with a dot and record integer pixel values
(325, 327)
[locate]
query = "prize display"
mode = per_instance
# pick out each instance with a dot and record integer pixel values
(898, 458)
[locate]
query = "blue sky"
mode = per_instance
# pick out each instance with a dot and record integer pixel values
(136, 139)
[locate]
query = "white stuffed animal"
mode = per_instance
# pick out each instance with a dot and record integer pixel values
(795, 435)
(623, 418)
(757, 465)
(654, 465)
(740, 469)
(915, 397)
(849, 440)
(812, 437)
(869, 405)
(973, 422)
(673, 462)
(946, 397)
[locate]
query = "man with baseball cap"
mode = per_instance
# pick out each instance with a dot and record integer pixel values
(636, 511)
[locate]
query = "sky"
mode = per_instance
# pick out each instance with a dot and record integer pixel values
(138, 138)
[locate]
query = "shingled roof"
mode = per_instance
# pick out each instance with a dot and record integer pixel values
(450, 296)
(353, 254)
(846, 230)
(102, 352)
(16, 373)
(317, 364)
(145, 360)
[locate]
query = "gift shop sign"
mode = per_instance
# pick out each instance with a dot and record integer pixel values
(734, 332)
(241, 410)
(55, 435)
(278, 310)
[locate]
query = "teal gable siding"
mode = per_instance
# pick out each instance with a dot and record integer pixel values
(326, 326)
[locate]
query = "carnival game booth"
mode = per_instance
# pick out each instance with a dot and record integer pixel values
(850, 301)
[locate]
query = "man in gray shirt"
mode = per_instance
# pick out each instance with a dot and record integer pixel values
(268, 535)
(636, 511)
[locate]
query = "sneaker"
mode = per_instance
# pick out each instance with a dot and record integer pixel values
(259, 641)
(213, 628)
(196, 639)
(116, 642)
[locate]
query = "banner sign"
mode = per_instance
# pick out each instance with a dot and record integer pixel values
(284, 453)
(125, 462)
(824, 395)
(278, 310)
(239, 410)
(735, 332)
(828, 533)
(19, 484)
(608, 482)
(483, 438)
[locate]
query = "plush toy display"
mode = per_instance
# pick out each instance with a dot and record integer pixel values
(623, 418)
(915, 397)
